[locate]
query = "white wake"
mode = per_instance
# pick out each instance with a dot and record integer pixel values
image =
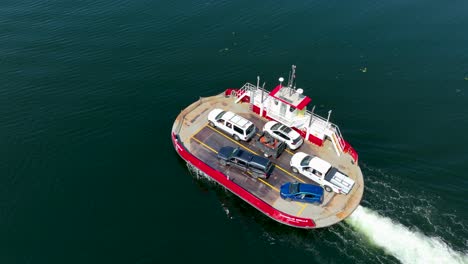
(404, 244)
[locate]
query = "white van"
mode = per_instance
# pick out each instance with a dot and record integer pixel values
(231, 123)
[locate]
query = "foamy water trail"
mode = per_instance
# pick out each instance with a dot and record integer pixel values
(404, 244)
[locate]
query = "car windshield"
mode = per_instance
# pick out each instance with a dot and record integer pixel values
(250, 129)
(275, 126)
(305, 161)
(220, 115)
(294, 187)
(236, 152)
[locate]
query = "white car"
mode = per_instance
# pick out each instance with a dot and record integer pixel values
(321, 172)
(233, 124)
(284, 133)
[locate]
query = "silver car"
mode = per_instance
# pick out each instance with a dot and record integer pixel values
(284, 133)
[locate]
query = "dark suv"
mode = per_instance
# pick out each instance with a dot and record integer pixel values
(258, 166)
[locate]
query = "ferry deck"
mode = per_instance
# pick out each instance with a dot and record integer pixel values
(197, 138)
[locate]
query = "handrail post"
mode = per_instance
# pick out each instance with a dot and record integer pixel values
(310, 122)
(261, 103)
(328, 118)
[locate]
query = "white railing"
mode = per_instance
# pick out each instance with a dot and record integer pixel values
(339, 136)
(329, 129)
(248, 86)
(243, 91)
(323, 124)
(315, 117)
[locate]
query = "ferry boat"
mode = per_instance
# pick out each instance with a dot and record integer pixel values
(198, 144)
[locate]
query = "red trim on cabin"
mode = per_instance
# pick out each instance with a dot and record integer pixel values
(256, 109)
(317, 141)
(299, 106)
(241, 192)
(304, 103)
(274, 91)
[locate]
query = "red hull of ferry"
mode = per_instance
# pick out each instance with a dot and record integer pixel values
(239, 191)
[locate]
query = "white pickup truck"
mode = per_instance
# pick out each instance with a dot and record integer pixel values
(321, 172)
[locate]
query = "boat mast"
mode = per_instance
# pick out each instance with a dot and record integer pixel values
(292, 76)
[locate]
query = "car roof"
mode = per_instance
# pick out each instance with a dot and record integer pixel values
(243, 154)
(236, 119)
(284, 128)
(252, 158)
(261, 161)
(319, 164)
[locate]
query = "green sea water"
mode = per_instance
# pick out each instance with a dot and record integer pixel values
(90, 89)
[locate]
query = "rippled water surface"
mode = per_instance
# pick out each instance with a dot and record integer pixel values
(90, 90)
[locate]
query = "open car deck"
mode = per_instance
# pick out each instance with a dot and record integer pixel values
(193, 136)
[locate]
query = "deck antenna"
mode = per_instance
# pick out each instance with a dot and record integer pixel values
(281, 80)
(258, 81)
(261, 99)
(328, 118)
(292, 76)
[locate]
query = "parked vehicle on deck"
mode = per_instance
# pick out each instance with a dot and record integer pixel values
(302, 192)
(284, 133)
(270, 146)
(321, 172)
(257, 166)
(233, 124)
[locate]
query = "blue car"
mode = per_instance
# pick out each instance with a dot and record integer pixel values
(302, 192)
